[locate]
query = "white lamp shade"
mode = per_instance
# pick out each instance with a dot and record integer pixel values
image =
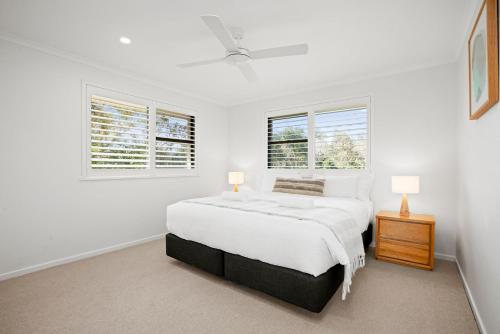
(406, 184)
(236, 178)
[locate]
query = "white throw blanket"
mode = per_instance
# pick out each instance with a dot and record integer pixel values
(344, 229)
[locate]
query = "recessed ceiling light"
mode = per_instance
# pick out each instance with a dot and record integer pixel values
(125, 40)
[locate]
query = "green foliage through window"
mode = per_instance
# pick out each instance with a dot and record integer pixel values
(119, 137)
(340, 140)
(175, 142)
(287, 142)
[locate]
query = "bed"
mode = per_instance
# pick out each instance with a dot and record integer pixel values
(277, 254)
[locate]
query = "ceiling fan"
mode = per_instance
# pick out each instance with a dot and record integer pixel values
(236, 54)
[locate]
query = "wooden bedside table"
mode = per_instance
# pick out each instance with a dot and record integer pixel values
(405, 240)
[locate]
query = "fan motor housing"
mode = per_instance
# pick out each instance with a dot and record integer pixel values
(236, 57)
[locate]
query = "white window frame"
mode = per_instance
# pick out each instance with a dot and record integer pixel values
(310, 109)
(151, 172)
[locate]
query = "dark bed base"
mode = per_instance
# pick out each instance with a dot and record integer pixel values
(301, 289)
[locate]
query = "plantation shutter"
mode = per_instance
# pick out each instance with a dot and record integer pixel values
(341, 138)
(175, 140)
(119, 134)
(287, 144)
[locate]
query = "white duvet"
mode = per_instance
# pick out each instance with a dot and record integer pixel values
(261, 229)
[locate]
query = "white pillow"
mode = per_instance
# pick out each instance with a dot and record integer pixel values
(267, 182)
(341, 186)
(365, 183)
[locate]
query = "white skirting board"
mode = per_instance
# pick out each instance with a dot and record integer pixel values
(445, 257)
(73, 258)
(472, 303)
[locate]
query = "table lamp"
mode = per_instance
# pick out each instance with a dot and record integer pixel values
(236, 178)
(405, 185)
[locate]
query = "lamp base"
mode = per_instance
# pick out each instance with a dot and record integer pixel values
(404, 210)
(235, 188)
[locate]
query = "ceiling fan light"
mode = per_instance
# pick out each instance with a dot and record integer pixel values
(125, 40)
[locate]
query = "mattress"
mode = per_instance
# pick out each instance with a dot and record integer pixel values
(281, 241)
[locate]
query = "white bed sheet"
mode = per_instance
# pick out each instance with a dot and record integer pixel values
(282, 241)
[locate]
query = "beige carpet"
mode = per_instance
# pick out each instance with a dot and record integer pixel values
(140, 290)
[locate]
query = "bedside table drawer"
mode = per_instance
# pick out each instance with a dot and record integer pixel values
(405, 251)
(412, 232)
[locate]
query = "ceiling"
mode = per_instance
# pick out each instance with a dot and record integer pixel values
(348, 40)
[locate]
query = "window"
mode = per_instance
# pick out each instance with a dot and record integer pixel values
(287, 141)
(130, 136)
(341, 138)
(119, 134)
(320, 137)
(174, 140)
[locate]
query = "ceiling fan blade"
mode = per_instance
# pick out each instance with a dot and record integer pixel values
(221, 32)
(200, 63)
(281, 51)
(248, 72)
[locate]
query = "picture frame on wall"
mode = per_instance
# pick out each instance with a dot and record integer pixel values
(483, 60)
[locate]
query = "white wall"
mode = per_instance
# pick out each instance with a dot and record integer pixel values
(414, 133)
(478, 227)
(46, 211)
